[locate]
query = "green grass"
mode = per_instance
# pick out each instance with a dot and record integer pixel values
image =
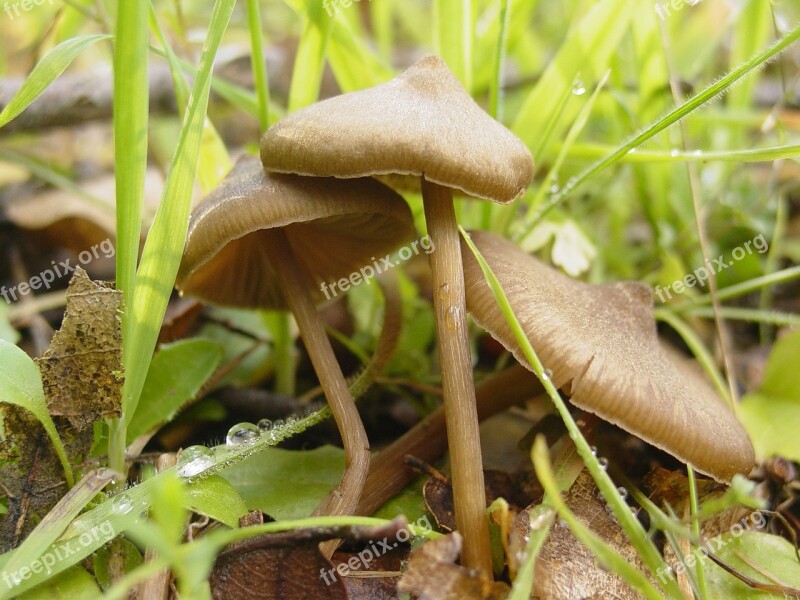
(585, 84)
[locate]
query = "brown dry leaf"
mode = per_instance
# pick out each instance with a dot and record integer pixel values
(31, 474)
(267, 568)
(433, 575)
(82, 369)
(566, 569)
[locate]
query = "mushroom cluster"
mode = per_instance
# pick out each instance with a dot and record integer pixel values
(423, 124)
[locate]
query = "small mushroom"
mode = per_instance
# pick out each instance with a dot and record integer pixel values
(422, 123)
(80, 221)
(599, 343)
(270, 242)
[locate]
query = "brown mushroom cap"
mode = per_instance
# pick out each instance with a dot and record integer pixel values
(422, 122)
(73, 221)
(334, 227)
(600, 343)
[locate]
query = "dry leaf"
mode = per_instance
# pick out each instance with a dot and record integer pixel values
(82, 369)
(433, 575)
(566, 569)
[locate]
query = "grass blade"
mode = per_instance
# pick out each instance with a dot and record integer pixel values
(53, 64)
(164, 246)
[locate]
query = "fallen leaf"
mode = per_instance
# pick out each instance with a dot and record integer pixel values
(82, 369)
(566, 569)
(433, 575)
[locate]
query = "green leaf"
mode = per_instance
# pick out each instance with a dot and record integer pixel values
(216, 498)
(120, 547)
(53, 64)
(453, 27)
(21, 384)
(755, 555)
(74, 584)
(287, 484)
(772, 415)
(7, 332)
(310, 60)
(177, 373)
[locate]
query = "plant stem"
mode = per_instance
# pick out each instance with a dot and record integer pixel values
(460, 407)
(294, 285)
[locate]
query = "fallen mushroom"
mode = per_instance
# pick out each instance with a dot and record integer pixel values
(422, 123)
(269, 242)
(599, 344)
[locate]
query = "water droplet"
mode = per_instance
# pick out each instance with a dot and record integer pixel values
(603, 462)
(194, 460)
(121, 504)
(562, 523)
(578, 89)
(594, 450)
(277, 424)
(555, 188)
(453, 318)
(264, 425)
(623, 492)
(241, 434)
(674, 152)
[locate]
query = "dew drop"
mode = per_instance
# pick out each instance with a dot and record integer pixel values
(264, 425)
(562, 523)
(594, 450)
(603, 462)
(674, 152)
(194, 460)
(241, 434)
(578, 89)
(555, 188)
(623, 492)
(121, 504)
(278, 424)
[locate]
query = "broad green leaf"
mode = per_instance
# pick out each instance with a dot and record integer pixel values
(757, 556)
(21, 384)
(772, 415)
(216, 498)
(74, 584)
(53, 64)
(131, 558)
(7, 332)
(287, 484)
(177, 373)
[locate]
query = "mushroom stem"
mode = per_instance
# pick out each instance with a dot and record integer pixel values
(388, 473)
(460, 407)
(293, 282)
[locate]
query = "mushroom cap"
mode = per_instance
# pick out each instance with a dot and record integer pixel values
(601, 344)
(67, 219)
(334, 227)
(422, 122)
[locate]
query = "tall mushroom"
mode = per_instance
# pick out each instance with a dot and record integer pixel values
(271, 242)
(601, 346)
(422, 123)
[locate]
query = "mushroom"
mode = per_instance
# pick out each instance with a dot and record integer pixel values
(83, 218)
(422, 123)
(270, 242)
(599, 343)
